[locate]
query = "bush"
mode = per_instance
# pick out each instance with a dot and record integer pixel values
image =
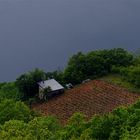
(14, 130)
(74, 128)
(13, 110)
(10, 91)
(42, 128)
(132, 75)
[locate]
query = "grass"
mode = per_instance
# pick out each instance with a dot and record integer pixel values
(118, 80)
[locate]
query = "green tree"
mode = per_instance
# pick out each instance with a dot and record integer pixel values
(14, 130)
(120, 57)
(42, 128)
(74, 128)
(74, 72)
(95, 64)
(28, 82)
(10, 109)
(10, 91)
(132, 75)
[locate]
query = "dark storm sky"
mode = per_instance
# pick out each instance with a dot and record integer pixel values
(44, 33)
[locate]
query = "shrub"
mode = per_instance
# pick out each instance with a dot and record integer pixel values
(17, 110)
(10, 91)
(132, 75)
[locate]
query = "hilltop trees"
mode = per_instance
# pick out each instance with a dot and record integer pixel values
(75, 71)
(28, 83)
(131, 73)
(95, 64)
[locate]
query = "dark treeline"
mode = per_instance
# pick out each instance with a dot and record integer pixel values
(95, 64)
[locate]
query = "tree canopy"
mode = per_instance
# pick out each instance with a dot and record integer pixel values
(10, 109)
(95, 64)
(28, 83)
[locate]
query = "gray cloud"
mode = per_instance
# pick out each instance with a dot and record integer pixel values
(44, 33)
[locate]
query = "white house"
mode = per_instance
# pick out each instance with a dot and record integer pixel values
(54, 89)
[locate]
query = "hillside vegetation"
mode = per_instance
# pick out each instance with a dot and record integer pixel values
(119, 80)
(19, 122)
(122, 124)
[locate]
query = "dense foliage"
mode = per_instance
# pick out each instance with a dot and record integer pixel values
(130, 73)
(10, 91)
(95, 64)
(28, 83)
(38, 129)
(10, 109)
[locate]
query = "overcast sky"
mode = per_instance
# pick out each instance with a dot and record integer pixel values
(44, 33)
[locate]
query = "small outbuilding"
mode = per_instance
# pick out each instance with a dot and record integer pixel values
(49, 88)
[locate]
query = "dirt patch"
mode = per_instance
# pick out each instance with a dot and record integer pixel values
(94, 97)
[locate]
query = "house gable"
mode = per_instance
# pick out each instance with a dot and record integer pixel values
(56, 88)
